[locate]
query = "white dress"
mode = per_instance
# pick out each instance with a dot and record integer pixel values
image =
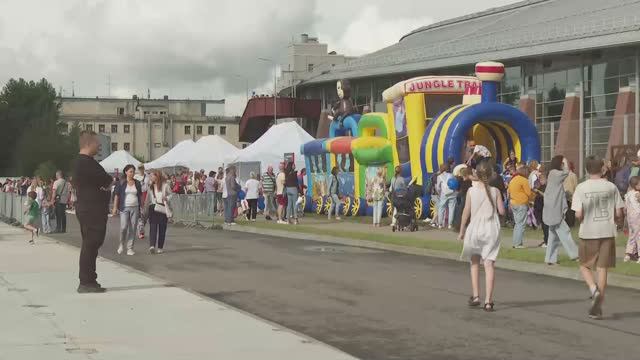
(482, 236)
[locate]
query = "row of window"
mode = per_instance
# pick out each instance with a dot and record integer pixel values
(155, 112)
(210, 131)
(101, 128)
(126, 146)
(127, 129)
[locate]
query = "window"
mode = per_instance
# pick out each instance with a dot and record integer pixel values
(223, 130)
(156, 145)
(120, 111)
(212, 130)
(114, 146)
(114, 129)
(199, 130)
(127, 129)
(155, 113)
(127, 146)
(187, 130)
(157, 126)
(146, 113)
(163, 113)
(310, 67)
(88, 127)
(101, 128)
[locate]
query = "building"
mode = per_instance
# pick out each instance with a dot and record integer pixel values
(571, 65)
(305, 57)
(148, 128)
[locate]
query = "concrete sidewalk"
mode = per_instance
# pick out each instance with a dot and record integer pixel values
(138, 318)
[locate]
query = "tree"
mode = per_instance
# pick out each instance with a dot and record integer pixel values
(29, 115)
(46, 170)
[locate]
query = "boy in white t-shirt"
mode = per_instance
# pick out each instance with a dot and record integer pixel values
(597, 204)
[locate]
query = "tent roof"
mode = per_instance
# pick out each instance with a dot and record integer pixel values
(173, 156)
(270, 148)
(118, 160)
(209, 153)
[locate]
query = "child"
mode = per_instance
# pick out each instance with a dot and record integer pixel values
(33, 214)
(482, 234)
(632, 204)
(597, 203)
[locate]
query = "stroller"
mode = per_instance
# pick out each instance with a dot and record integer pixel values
(405, 213)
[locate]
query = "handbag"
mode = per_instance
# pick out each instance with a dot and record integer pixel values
(159, 208)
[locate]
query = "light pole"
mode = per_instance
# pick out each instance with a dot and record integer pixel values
(275, 91)
(246, 79)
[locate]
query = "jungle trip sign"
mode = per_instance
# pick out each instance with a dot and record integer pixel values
(441, 84)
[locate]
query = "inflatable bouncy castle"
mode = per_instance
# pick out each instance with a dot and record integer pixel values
(428, 121)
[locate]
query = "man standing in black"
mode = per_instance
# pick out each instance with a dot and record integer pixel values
(91, 183)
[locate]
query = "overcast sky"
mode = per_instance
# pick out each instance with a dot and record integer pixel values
(193, 48)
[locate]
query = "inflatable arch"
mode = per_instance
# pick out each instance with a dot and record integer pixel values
(500, 127)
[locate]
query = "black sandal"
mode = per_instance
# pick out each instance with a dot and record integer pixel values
(474, 301)
(488, 307)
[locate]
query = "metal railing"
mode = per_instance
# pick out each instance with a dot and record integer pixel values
(195, 210)
(12, 207)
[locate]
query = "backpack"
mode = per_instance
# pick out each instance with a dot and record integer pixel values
(622, 178)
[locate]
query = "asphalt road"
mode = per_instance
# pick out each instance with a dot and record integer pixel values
(383, 305)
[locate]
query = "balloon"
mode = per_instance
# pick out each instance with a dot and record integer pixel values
(453, 184)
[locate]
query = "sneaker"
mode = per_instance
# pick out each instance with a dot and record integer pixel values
(450, 227)
(519, 247)
(253, 220)
(233, 223)
(268, 218)
(595, 312)
(31, 242)
(159, 251)
(338, 218)
(627, 258)
(87, 289)
(152, 250)
(131, 252)
(543, 245)
(282, 222)
(120, 249)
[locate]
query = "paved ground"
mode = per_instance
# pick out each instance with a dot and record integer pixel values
(384, 305)
(139, 318)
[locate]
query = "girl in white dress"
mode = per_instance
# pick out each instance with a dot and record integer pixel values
(481, 235)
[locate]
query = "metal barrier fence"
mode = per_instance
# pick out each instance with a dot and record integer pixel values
(12, 207)
(189, 210)
(194, 210)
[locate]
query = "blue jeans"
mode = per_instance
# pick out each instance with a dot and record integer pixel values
(230, 203)
(377, 211)
(292, 198)
(560, 234)
(335, 204)
(128, 225)
(520, 220)
(446, 202)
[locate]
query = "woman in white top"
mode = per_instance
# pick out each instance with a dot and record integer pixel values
(127, 199)
(159, 211)
(252, 190)
(481, 235)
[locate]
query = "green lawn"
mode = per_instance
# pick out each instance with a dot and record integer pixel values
(527, 255)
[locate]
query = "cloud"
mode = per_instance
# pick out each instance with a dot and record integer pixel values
(191, 48)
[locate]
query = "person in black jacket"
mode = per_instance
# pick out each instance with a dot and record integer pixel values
(292, 191)
(92, 186)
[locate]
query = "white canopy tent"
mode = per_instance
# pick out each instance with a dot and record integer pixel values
(270, 148)
(171, 158)
(209, 153)
(118, 160)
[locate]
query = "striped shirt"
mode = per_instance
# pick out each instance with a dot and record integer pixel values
(268, 183)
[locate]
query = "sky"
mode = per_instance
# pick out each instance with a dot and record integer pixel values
(197, 49)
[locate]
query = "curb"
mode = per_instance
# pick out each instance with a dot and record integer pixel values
(619, 280)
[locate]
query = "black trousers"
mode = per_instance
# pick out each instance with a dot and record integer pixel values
(253, 209)
(61, 217)
(157, 229)
(93, 228)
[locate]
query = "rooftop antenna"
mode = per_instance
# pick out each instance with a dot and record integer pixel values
(108, 84)
(60, 92)
(73, 88)
(148, 93)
